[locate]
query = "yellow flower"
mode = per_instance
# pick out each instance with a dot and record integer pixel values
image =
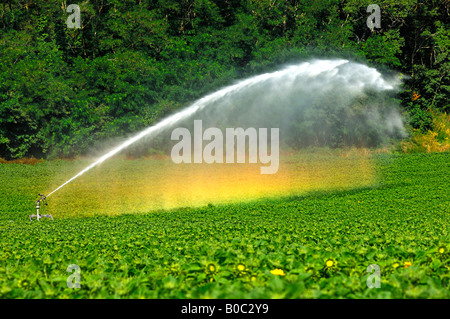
(278, 272)
(329, 263)
(407, 264)
(395, 265)
(241, 267)
(212, 268)
(441, 250)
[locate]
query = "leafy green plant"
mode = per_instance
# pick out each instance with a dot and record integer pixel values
(317, 245)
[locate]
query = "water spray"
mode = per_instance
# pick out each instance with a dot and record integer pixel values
(338, 73)
(38, 206)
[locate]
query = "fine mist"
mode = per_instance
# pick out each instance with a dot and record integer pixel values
(330, 103)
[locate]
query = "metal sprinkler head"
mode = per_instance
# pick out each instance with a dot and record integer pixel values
(38, 206)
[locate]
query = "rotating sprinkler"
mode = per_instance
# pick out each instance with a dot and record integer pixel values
(38, 206)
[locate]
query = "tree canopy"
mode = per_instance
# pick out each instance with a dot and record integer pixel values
(62, 90)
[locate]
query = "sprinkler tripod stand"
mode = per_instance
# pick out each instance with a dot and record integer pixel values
(38, 205)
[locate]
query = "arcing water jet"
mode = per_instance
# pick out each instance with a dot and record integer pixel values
(317, 77)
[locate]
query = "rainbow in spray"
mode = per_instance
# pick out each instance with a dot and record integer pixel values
(359, 78)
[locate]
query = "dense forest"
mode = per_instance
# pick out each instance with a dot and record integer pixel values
(132, 62)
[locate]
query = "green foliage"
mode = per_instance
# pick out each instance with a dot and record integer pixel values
(234, 251)
(63, 90)
(436, 139)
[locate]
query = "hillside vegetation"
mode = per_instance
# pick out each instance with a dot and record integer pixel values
(65, 90)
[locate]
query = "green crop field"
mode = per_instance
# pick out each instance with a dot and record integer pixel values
(316, 244)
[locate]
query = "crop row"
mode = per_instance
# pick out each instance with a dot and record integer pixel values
(312, 246)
